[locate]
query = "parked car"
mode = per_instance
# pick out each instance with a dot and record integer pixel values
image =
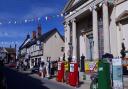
(12, 65)
(35, 69)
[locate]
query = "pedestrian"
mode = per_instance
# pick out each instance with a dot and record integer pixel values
(123, 54)
(47, 68)
(17, 64)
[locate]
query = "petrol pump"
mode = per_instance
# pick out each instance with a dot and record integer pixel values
(60, 73)
(73, 74)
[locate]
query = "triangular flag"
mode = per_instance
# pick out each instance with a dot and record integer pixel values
(46, 18)
(39, 18)
(62, 15)
(9, 22)
(15, 22)
(25, 21)
(57, 15)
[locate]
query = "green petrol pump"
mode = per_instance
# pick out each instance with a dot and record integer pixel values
(104, 81)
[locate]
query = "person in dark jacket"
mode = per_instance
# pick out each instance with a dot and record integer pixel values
(123, 54)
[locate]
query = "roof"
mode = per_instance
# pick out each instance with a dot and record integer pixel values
(10, 50)
(43, 38)
(25, 41)
(2, 49)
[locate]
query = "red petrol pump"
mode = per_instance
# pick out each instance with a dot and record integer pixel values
(73, 74)
(60, 74)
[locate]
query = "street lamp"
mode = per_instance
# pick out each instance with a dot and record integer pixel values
(90, 37)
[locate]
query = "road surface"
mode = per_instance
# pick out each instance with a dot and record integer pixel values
(18, 80)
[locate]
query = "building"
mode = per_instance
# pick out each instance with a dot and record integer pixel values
(8, 54)
(43, 46)
(95, 27)
(23, 49)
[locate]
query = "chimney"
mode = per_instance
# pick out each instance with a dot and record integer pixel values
(39, 30)
(28, 36)
(10, 46)
(33, 34)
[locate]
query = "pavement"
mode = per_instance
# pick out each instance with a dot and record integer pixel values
(125, 80)
(25, 80)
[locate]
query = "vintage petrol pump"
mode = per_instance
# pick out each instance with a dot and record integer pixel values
(73, 74)
(60, 74)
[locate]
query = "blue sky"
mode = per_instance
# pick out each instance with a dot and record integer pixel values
(19, 10)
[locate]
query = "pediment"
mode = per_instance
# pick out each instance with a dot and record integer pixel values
(75, 1)
(70, 4)
(122, 16)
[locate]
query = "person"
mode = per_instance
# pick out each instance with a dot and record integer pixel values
(17, 64)
(47, 68)
(82, 63)
(41, 70)
(123, 54)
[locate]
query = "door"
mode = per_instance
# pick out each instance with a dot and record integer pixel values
(89, 47)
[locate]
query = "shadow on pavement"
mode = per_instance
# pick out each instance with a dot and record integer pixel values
(17, 80)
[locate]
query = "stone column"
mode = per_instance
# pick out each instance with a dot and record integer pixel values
(65, 35)
(85, 43)
(119, 39)
(74, 38)
(67, 39)
(95, 34)
(106, 32)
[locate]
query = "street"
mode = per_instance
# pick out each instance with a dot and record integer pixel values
(17, 80)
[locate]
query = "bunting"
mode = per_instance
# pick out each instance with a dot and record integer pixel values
(31, 20)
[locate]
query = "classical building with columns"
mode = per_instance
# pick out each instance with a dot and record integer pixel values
(95, 27)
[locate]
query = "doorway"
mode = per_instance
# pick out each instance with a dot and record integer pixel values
(89, 46)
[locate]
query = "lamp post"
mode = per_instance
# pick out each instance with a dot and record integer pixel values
(90, 37)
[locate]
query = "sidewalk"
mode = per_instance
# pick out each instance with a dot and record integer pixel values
(83, 84)
(125, 81)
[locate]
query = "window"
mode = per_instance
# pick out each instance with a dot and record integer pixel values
(62, 49)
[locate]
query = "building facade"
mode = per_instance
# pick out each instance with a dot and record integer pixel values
(43, 46)
(95, 27)
(8, 54)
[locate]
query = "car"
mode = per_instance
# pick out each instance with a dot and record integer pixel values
(35, 69)
(12, 65)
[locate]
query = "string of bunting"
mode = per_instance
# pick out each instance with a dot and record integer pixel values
(31, 20)
(48, 17)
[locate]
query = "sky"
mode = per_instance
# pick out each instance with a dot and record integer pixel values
(21, 10)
